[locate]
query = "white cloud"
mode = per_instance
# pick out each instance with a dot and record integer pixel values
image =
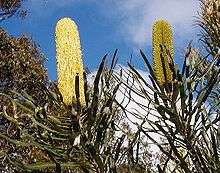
(137, 16)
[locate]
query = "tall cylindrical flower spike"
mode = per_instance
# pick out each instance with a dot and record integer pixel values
(69, 61)
(162, 38)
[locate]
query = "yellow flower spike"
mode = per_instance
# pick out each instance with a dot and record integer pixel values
(162, 36)
(69, 60)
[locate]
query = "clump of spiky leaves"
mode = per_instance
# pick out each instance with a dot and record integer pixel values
(69, 61)
(51, 138)
(184, 122)
(162, 42)
(204, 68)
(182, 118)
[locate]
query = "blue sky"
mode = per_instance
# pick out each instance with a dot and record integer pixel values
(105, 25)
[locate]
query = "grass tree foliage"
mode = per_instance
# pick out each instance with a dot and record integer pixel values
(83, 130)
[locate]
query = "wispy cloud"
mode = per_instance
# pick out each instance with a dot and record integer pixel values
(136, 17)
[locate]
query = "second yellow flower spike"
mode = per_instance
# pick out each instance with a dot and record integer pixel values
(162, 37)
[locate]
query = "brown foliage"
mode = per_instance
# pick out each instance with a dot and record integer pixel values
(21, 70)
(21, 66)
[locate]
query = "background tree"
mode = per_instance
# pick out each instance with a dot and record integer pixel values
(209, 21)
(21, 70)
(10, 7)
(21, 66)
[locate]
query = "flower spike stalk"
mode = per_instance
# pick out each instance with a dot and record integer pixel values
(69, 61)
(162, 42)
